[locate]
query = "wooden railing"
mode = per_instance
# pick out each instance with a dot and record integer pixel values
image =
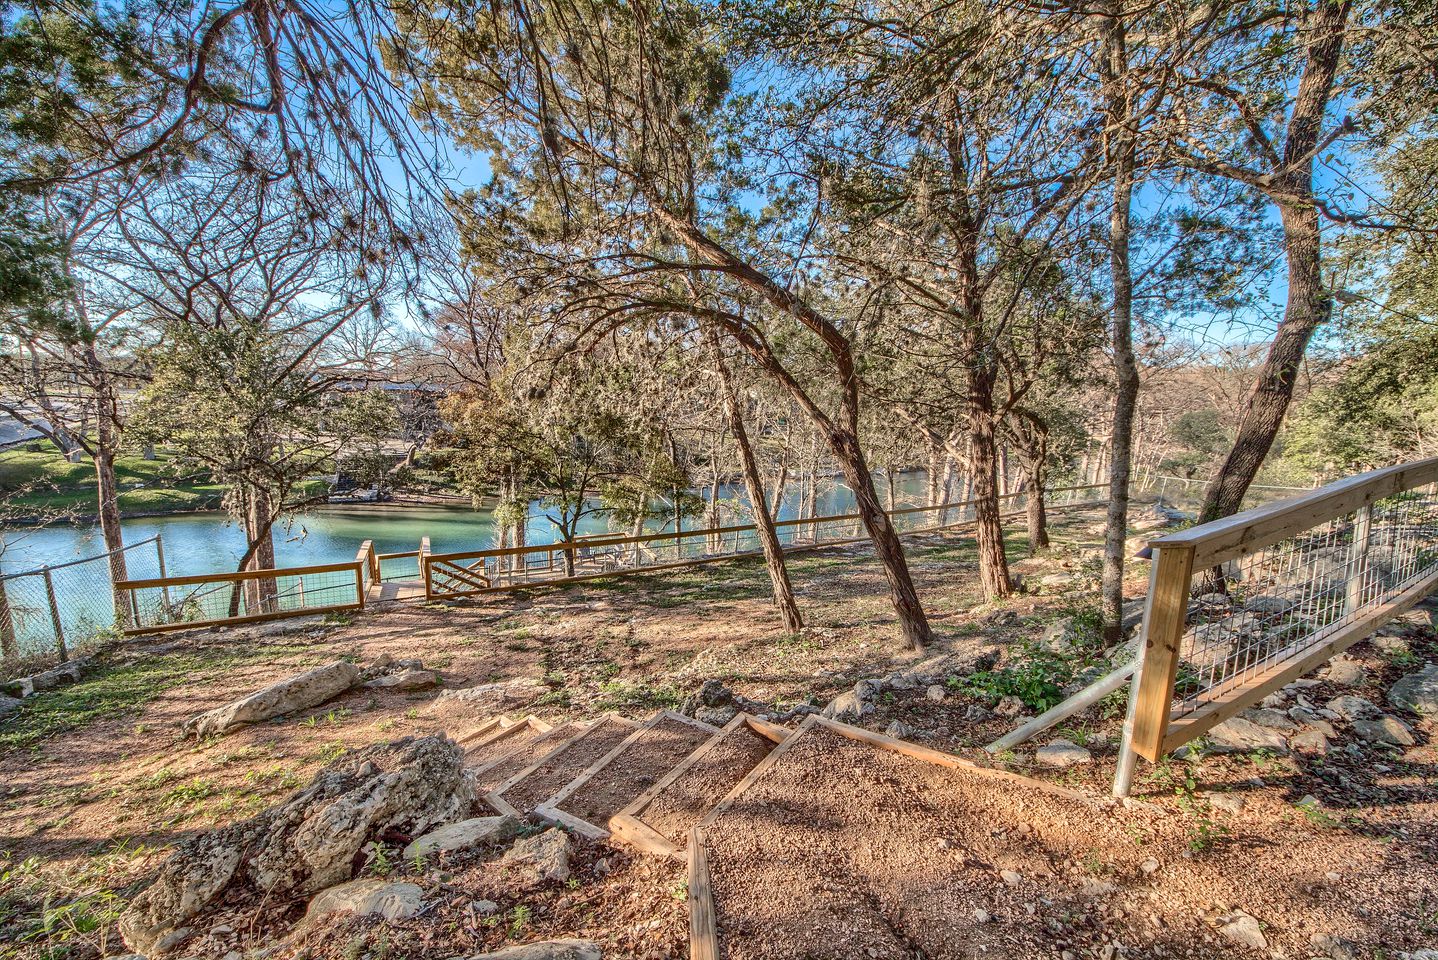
(218, 599)
(1242, 606)
(472, 572)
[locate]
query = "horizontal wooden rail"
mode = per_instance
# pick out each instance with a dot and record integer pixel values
(238, 575)
(1222, 540)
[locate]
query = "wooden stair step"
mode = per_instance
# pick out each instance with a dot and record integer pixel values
(522, 754)
(503, 740)
(528, 788)
(658, 821)
(587, 802)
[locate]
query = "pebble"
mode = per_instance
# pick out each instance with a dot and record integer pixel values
(1149, 866)
(1012, 877)
(935, 693)
(981, 916)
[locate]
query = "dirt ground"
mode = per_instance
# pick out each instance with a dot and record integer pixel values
(96, 781)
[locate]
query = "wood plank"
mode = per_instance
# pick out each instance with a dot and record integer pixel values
(703, 927)
(240, 575)
(495, 797)
(1252, 689)
(1164, 626)
(485, 729)
(1222, 540)
(642, 836)
(570, 822)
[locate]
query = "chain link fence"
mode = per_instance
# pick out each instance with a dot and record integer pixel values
(52, 611)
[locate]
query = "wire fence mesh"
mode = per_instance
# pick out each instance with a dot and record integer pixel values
(1282, 601)
(217, 598)
(60, 608)
(460, 574)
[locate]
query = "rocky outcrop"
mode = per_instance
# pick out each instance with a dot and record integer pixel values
(1417, 692)
(490, 698)
(311, 841)
(308, 689)
(715, 704)
(404, 680)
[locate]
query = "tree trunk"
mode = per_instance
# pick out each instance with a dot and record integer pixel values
(754, 484)
(107, 490)
(887, 546)
(1309, 305)
(1036, 514)
(9, 649)
(889, 482)
(259, 528)
(1125, 366)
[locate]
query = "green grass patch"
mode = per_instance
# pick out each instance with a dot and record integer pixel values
(115, 692)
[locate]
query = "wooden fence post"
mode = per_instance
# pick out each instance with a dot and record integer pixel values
(9, 646)
(1164, 628)
(55, 614)
(1358, 561)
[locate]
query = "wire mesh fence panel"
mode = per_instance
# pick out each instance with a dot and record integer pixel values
(219, 598)
(65, 607)
(469, 573)
(1240, 606)
(1286, 598)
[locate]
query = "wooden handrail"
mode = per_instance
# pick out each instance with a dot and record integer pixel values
(1222, 540)
(238, 575)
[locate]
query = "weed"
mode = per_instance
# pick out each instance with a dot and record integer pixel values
(1316, 814)
(519, 919)
(621, 694)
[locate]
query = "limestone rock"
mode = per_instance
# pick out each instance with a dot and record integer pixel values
(1243, 930)
(1009, 707)
(715, 716)
(1272, 719)
(935, 693)
(1237, 735)
(534, 861)
(8, 705)
(1417, 691)
(1227, 802)
(52, 679)
(938, 668)
(1266, 605)
(1384, 730)
(1345, 671)
(1310, 742)
(404, 680)
(899, 730)
(369, 897)
(307, 689)
(1061, 754)
(465, 833)
(492, 697)
(847, 707)
(547, 950)
(1354, 708)
(313, 839)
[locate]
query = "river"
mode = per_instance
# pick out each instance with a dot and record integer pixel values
(197, 543)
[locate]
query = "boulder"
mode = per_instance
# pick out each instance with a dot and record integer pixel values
(1237, 735)
(941, 666)
(535, 861)
(847, 707)
(492, 697)
(310, 841)
(1310, 742)
(1417, 692)
(1061, 754)
(465, 833)
(935, 693)
(308, 689)
(369, 897)
(1268, 606)
(1271, 718)
(547, 950)
(715, 716)
(404, 680)
(52, 679)
(1352, 708)
(1384, 730)
(8, 705)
